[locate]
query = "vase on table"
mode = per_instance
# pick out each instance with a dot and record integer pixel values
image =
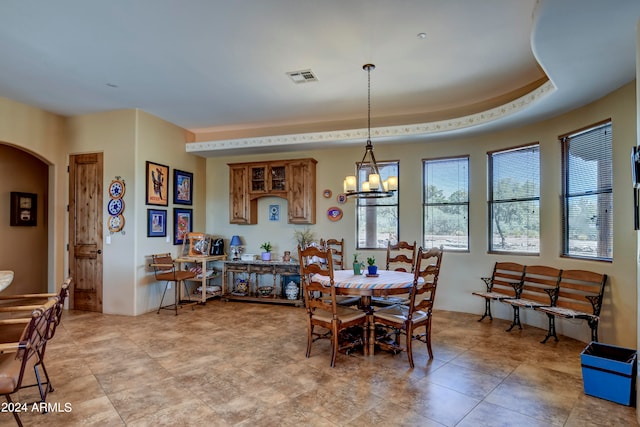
(291, 290)
(356, 268)
(373, 270)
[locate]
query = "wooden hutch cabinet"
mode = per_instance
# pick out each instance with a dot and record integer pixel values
(294, 180)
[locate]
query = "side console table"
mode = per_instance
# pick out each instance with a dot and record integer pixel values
(249, 284)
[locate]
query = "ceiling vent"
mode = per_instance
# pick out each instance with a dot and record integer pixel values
(303, 76)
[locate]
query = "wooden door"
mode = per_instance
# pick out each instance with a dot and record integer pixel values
(85, 231)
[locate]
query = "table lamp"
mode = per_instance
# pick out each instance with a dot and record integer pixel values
(236, 247)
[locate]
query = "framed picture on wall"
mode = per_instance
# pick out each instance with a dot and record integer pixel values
(157, 185)
(182, 224)
(156, 223)
(182, 187)
(24, 209)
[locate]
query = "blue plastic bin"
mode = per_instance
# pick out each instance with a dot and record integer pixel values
(609, 372)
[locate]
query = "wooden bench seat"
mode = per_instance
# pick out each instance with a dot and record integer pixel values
(538, 286)
(503, 284)
(579, 296)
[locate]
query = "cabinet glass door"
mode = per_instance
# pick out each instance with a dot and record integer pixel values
(258, 179)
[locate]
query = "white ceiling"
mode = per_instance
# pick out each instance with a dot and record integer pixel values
(218, 68)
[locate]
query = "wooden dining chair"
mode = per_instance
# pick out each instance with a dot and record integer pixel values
(338, 256)
(401, 319)
(337, 252)
(322, 309)
(165, 270)
(401, 256)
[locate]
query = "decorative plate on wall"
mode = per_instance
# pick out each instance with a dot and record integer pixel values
(327, 193)
(341, 198)
(116, 189)
(334, 213)
(115, 206)
(116, 223)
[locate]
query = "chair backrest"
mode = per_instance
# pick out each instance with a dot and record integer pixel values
(30, 348)
(540, 283)
(401, 256)
(427, 267)
(59, 307)
(506, 278)
(162, 264)
(336, 248)
(581, 290)
(313, 290)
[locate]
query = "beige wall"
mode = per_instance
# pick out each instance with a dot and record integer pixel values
(128, 138)
(42, 134)
(161, 142)
(114, 134)
(22, 172)
(462, 271)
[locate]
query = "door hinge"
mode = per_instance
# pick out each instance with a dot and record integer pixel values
(67, 208)
(67, 247)
(68, 170)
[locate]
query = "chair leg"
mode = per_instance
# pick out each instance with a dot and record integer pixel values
(16, 415)
(552, 329)
(334, 343)
(176, 300)
(593, 324)
(186, 292)
(487, 310)
(516, 318)
(48, 388)
(409, 338)
(309, 339)
(428, 338)
(163, 294)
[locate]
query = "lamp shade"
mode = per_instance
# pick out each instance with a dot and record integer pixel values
(235, 241)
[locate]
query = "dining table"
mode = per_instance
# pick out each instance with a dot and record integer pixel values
(384, 283)
(6, 277)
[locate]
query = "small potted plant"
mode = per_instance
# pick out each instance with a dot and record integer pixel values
(356, 265)
(266, 247)
(372, 267)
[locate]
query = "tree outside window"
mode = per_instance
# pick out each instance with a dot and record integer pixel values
(446, 203)
(514, 200)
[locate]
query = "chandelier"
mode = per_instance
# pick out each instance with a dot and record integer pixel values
(372, 187)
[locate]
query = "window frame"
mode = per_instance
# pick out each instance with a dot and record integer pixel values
(567, 196)
(378, 202)
(426, 204)
(491, 201)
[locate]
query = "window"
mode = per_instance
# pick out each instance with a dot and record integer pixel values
(446, 203)
(514, 199)
(588, 193)
(378, 218)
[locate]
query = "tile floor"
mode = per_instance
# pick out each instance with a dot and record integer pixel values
(242, 364)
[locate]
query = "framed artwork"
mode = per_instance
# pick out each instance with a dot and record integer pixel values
(24, 209)
(157, 184)
(182, 224)
(156, 223)
(182, 187)
(274, 212)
